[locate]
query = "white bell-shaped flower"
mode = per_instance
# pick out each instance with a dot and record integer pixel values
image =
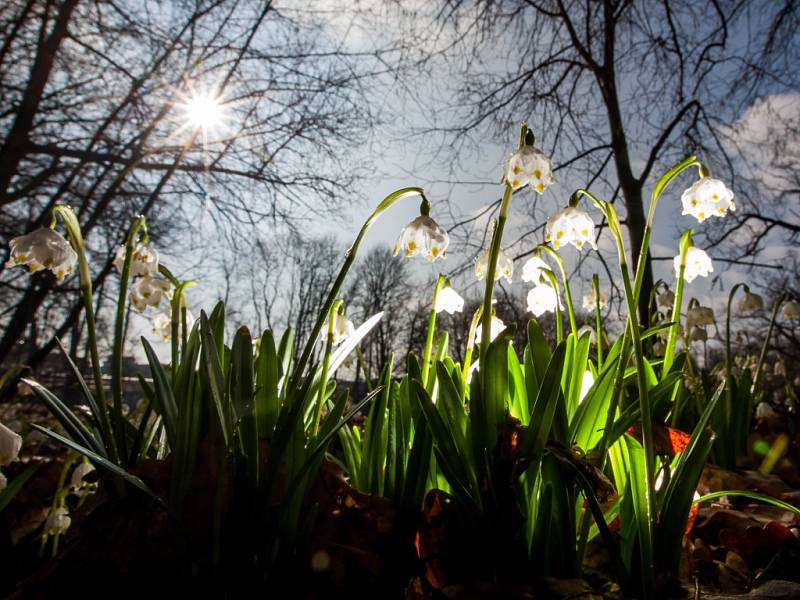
(77, 481)
(162, 323)
(590, 300)
(697, 263)
(144, 260)
(43, 249)
(665, 299)
(779, 369)
(10, 444)
(532, 270)
(698, 334)
(495, 329)
(449, 301)
(590, 330)
(791, 310)
(699, 316)
(57, 522)
(342, 329)
(543, 298)
(505, 266)
(149, 291)
(764, 411)
(570, 226)
(529, 165)
(659, 348)
(423, 236)
(586, 384)
(749, 304)
(707, 197)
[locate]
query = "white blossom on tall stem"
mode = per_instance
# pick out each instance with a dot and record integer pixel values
(448, 300)
(697, 263)
(143, 262)
(532, 270)
(162, 323)
(698, 334)
(149, 291)
(529, 165)
(570, 226)
(43, 249)
(10, 444)
(791, 310)
(543, 298)
(496, 329)
(707, 197)
(423, 236)
(77, 481)
(58, 521)
(505, 266)
(665, 299)
(749, 304)
(699, 316)
(590, 330)
(590, 300)
(342, 329)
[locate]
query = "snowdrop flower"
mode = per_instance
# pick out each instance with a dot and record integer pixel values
(495, 329)
(665, 299)
(58, 521)
(749, 304)
(764, 411)
(448, 300)
(586, 384)
(570, 226)
(541, 299)
(342, 329)
(423, 236)
(43, 249)
(505, 266)
(532, 270)
(791, 310)
(144, 260)
(707, 197)
(697, 263)
(77, 481)
(590, 330)
(529, 165)
(698, 334)
(162, 324)
(699, 316)
(590, 300)
(149, 291)
(10, 444)
(780, 369)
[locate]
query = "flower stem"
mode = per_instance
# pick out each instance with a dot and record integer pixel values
(473, 326)
(426, 359)
(674, 330)
(76, 239)
(765, 347)
(598, 321)
(326, 361)
(573, 323)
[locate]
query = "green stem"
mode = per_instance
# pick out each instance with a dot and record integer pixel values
(119, 329)
(598, 321)
(674, 329)
(557, 311)
(326, 361)
(363, 363)
(473, 326)
(765, 347)
(573, 323)
(76, 239)
(426, 357)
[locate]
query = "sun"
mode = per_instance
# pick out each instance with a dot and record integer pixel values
(204, 111)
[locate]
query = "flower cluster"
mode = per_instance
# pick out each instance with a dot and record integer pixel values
(505, 266)
(590, 300)
(423, 236)
(529, 165)
(143, 262)
(43, 249)
(707, 197)
(570, 226)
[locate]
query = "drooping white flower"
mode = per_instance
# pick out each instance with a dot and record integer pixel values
(162, 323)
(665, 299)
(448, 300)
(765, 411)
(697, 263)
(698, 334)
(532, 270)
(750, 303)
(43, 249)
(143, 262)
(541, 299)
(707, 197)
(505, 266)
(570, 226)
(342, 329)
(149, 291)
(699, 316)
(77, 481)
(590, 300)
(57, 522)
(791, 310)
(423, 236)
(495, 329)
(590, 330)
(586, 384)
(23, 389)
(10, 444)
(529, 165)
